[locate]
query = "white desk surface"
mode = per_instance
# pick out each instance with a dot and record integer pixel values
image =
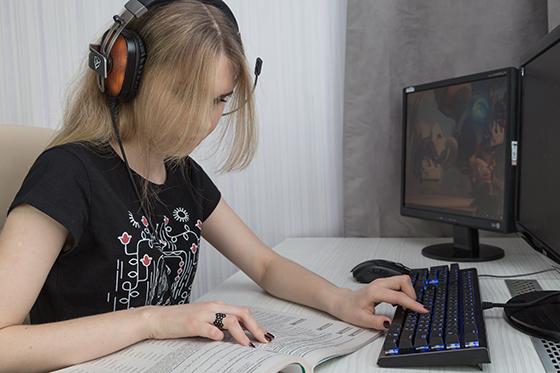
(333, 258)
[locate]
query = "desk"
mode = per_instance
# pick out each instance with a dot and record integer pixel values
(333, 258)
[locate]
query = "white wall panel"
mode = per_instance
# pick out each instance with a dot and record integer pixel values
(294, 185)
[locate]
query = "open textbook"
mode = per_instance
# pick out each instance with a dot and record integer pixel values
(300, 344)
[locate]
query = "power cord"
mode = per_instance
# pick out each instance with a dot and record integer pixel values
(553, 268)
(489, 305)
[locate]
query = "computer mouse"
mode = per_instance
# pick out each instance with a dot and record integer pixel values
(370, 270)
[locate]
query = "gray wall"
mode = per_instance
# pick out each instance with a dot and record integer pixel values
(395, 43)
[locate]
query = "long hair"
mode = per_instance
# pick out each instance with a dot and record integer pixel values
(172, 112)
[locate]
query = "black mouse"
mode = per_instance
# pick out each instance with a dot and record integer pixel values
(370, 270)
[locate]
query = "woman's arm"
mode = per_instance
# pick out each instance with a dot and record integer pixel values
(46, 347)
(285, 279)
(29, 245)
(231, 236)
(288, 280)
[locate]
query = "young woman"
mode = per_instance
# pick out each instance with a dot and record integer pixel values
(100, 269)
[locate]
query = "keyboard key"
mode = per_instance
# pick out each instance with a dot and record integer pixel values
(436, 340)
(391, 344)
(405, 341)
(452, 339)
(438, 313)
(471, 337)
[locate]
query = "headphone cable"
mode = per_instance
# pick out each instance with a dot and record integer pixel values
(114, 109)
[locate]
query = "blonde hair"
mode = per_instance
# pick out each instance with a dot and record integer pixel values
(172, 111)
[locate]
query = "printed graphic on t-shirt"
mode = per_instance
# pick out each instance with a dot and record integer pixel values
(158, 274)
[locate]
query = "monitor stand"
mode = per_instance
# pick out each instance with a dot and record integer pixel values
(466, 247)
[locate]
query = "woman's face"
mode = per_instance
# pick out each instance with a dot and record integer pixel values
(223, 89)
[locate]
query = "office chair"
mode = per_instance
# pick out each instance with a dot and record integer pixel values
(19, 147)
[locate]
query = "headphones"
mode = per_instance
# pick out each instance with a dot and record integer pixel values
(119, 60)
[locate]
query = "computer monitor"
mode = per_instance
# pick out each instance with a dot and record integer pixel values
(457, 165)
(538, 199)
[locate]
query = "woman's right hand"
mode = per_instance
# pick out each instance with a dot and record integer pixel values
(196, 320)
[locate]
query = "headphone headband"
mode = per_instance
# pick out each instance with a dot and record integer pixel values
(224, 8)
(99, 54)
(140, 7)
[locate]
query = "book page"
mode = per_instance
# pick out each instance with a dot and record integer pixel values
(314, 339)
(300, 343)
(190, 355)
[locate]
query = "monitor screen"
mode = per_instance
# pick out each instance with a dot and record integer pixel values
(455, 148)
(539, 175)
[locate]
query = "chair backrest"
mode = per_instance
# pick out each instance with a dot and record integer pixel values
(19, 147)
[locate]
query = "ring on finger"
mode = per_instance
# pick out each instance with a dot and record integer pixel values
(218, 321)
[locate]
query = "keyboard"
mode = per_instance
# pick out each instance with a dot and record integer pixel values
(452, 333)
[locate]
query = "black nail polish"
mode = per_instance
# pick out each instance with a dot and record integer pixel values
(270, 336)
(266, 336)
(386, 324)
(251, 344)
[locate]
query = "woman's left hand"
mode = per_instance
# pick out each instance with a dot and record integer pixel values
(358, 306)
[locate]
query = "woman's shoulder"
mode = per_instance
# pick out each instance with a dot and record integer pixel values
(192, 165)
(190, 169)
(77, 149)
(74, 154)
(71, 161)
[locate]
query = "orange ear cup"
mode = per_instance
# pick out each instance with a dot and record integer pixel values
(115, 78)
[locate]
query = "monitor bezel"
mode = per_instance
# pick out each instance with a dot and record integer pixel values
(547, 42)
(506, 225)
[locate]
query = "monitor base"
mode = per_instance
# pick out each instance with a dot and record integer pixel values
(448, 252)
(464, 248)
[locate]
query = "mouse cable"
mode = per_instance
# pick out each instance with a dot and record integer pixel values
(553, 268)
(489, 305)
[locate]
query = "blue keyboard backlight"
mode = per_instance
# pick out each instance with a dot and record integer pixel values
(393, 351)
(453, 346)
(472, 344)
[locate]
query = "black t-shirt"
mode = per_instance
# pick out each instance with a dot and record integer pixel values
(112, 263)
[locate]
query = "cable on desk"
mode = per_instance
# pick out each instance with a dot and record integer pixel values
(489, 305)
(554, 268)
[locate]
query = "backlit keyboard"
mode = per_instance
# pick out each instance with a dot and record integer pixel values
(452, 333)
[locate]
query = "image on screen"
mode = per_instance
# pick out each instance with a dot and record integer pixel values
(455, 148)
